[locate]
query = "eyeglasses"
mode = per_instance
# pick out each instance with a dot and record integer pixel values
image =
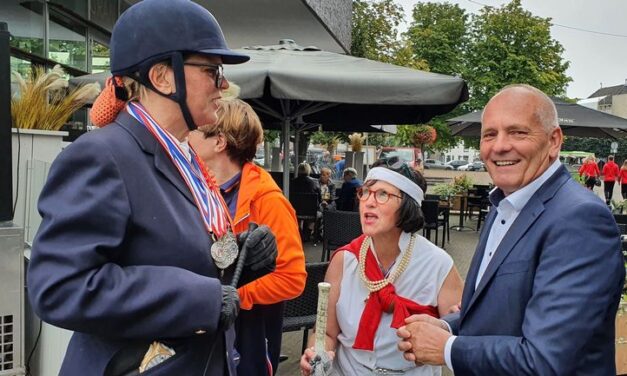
(215, 71)
(380, 195)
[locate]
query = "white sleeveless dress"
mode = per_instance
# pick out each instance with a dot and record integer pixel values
(420, 282)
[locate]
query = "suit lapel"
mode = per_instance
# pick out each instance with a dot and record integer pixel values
(528, 215)
(149, 144)
(469, 285)
(525, 219)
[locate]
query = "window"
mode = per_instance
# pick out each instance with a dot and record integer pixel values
(78, 7)
(26, 24)
(103, 13)
(68, 41)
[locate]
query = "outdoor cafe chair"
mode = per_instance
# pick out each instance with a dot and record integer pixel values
(306, 207)
(432, 220)
(620, 218)
(339, 228)
(300, 313)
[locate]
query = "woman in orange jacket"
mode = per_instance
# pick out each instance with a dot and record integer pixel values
(227, 148)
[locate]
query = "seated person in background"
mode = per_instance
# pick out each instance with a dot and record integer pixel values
(394, 270)
(305, 184)
(348, 192)
(327, 189)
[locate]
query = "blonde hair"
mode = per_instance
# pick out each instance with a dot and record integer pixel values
(241, 128)
(135, 89)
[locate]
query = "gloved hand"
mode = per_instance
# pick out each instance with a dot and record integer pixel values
(230, 306)
(262, 253)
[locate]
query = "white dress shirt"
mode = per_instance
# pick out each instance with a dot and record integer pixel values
(507, 210)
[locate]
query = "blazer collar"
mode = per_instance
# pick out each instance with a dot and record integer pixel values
(530, 213)
(149, 144)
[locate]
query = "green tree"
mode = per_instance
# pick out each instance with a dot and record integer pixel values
(375, 29)
(438, 35)
(510, 45)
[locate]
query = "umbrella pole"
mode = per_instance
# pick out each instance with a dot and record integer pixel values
(286, 157)
(296, 144)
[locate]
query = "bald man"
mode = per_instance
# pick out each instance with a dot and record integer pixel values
(544, 285)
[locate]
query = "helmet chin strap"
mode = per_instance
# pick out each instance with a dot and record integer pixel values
(180, 96)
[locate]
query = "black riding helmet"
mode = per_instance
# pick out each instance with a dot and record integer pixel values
(153, 31)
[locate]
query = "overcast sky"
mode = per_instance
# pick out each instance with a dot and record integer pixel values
(595, 59)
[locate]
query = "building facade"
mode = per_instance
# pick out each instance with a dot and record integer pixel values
(611, 99)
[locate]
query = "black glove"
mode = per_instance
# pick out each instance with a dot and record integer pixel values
(230, 306)
(261, 256)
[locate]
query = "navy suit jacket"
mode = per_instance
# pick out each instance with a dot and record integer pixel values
(121, 257)
(547, 301)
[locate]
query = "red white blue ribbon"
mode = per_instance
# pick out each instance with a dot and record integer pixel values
(206, 193)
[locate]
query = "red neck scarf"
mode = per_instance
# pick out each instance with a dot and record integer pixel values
(381, 301)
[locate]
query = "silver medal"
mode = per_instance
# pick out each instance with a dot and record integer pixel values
(224, 250)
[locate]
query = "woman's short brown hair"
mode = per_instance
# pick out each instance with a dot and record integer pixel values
(241, 128)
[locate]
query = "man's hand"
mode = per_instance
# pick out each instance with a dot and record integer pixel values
(423, 340)
(230, 306)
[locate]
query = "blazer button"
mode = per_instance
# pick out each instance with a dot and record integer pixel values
(200, 331)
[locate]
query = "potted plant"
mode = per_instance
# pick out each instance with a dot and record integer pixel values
(357, 160)
(42, 105)
(423, 135)
(456, 188)
(618, 207)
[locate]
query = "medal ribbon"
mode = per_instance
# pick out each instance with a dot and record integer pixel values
(205, 191)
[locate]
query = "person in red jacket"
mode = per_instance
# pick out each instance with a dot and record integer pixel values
(590, 172)
(622, 178)
(227, 148)
(610, 174)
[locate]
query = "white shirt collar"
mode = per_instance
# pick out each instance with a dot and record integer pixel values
(519, 198)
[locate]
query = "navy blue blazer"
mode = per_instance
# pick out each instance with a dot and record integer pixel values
(547, 301)
(122, 258)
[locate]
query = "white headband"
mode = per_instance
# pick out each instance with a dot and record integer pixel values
(399, 181)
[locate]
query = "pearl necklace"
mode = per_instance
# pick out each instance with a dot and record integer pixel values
(374, 286)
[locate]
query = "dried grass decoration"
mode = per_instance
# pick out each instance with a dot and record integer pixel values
(44, 100)
(357, 141)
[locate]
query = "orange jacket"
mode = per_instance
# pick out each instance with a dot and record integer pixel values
(261, 201)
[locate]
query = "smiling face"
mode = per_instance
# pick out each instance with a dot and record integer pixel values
(380, 219)
(515, 146)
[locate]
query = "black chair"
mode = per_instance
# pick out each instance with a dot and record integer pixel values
(620, 218)
(300, 313)
(306, 207)
(430, 212)
(477, 199)
(277, 176)
(339, 228)
(483, 212)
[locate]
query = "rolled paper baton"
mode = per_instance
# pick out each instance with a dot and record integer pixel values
(321, 317)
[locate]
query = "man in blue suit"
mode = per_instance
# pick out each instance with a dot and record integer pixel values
(543, 287)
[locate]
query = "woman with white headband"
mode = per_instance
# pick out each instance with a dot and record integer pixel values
(384, 276)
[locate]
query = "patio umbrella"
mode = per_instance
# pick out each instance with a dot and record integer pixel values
(290, 85)
(574, 119)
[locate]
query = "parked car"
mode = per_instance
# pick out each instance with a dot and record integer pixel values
(409, 155)
(456, 164)
(436, 165)
(473, 166)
